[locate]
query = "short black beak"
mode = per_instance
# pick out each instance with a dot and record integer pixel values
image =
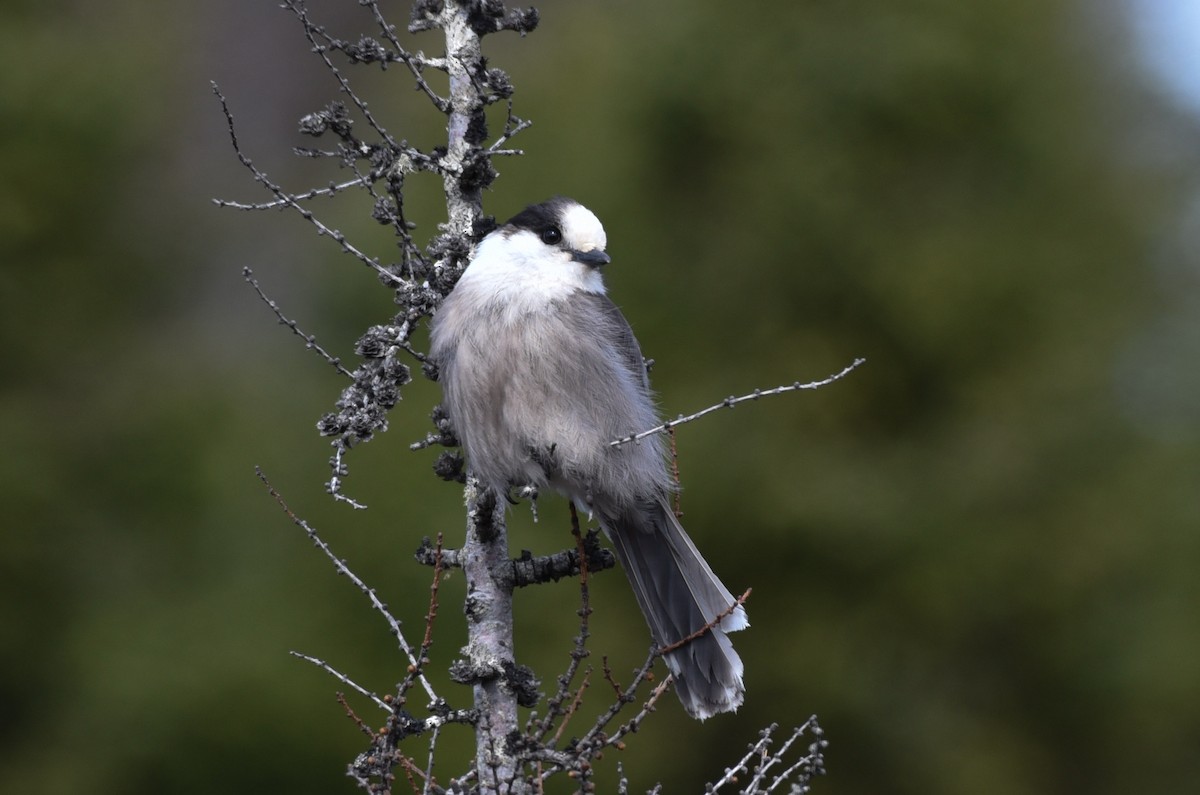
(593, 259)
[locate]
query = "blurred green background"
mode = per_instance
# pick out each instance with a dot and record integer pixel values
(977, 559)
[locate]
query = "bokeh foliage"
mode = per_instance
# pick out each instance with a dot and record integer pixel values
(975, 559)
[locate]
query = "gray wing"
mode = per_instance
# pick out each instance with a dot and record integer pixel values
(615, 330)
(612, 399)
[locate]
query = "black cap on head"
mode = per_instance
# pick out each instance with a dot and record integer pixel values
(537, 218)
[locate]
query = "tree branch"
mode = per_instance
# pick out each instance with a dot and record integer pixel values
(309, 339)
(730, 402)
(490, 638)
(341, 568)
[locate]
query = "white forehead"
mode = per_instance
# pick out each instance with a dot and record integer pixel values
(581, 228)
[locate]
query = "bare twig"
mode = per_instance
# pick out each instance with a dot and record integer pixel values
(430, 782)
(310, 341)
(289, 200)
(513, 126)
(330, 190)
(409, 770)
(341, 568)
(312, 32)
(608, 676)
(431, 614)
(709, 626)
(675, 473)
(577, 761)
(730, 402)
(341, 677)
(362, 724)
(554, 709)
(335, 480)
(626, 696)
(574, 705)
(759, 760)
(634, 723)
(415, 63)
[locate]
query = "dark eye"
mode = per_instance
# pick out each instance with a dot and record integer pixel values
(551, 235)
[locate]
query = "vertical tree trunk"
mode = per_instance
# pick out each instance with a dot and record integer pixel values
(489, 648)
(489, 592)
(466, 125)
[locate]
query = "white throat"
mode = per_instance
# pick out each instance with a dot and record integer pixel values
(519, 274)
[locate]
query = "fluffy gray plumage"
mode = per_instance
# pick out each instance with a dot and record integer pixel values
(540, 372)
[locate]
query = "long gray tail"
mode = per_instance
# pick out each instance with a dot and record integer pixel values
(679, 594)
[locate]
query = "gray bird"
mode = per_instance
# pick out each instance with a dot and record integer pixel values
(540, 372)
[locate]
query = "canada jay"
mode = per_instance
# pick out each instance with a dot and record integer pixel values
(540, 373)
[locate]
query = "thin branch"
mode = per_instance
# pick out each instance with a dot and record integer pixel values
(675, 474)
(771, 761)
(334, 487)
(311, 32)
(341, 568)
(756, 749)
(625, 697)
(430, 782)
(331, 190)
(413, 62)
(592, 744)
(409, 769)
(310, 340)
(634, 723)
(341, 677)
(759, 759)
(395, 216)
(574, 705)
(427, 642)
(730, 402)
(608, 676)
(362, 724)
(596, 739)
(290, 201)
(709, 626)
(513, 126)
(579, 652)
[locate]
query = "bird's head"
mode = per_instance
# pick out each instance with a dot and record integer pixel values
(560, 229)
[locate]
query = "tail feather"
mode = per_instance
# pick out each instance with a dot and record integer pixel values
(679, 595)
